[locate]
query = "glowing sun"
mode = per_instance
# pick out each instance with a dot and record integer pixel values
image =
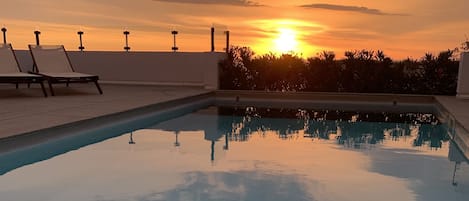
(286, 41)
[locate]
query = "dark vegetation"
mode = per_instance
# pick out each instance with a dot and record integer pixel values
(362, 71)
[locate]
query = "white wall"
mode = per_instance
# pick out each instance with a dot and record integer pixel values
(463, 79)
(165, 68)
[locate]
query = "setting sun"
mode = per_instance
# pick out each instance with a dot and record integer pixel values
(287, 36)
(286, 41)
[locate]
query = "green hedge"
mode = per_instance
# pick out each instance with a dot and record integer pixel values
(362, 71)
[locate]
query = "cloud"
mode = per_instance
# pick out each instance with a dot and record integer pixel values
(218, 2)
(358, 9)
(238, 185)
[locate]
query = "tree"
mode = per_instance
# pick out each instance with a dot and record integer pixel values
(364, 71)
(367, 71)
(279, 73)
(234, 73)
(322, 73)
(439, 73)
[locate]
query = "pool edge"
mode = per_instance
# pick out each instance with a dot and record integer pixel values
(457, 131)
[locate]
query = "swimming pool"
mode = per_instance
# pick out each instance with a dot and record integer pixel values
(248, 153)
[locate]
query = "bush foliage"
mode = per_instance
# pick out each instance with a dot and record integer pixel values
(363, 71)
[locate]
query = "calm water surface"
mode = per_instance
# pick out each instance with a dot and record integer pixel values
(253, 154)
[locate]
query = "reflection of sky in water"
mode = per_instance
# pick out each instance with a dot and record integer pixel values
(268, 159)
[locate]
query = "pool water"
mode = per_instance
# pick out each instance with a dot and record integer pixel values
(223, 153)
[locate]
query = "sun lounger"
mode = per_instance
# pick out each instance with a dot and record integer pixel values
(10, 71)
(53, 63)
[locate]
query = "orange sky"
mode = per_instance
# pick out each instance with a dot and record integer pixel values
(401, 28)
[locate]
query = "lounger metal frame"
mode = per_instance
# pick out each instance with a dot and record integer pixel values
(67, 80)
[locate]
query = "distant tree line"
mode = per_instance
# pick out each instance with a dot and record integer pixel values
(363, 71)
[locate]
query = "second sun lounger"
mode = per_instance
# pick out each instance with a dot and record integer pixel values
(52, 62)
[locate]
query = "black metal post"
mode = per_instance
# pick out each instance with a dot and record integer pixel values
(227, 49)
(456, 165)
(177, 143)
(4, 30)
(212, 30)
(226, 142)
(126, 33)
(80, 33)
(131, 140)
(37, 33)
(174, 48)
(212, 153)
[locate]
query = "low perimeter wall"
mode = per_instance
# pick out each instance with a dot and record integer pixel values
(163, 68)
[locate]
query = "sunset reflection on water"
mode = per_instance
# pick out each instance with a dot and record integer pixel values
(212, 155)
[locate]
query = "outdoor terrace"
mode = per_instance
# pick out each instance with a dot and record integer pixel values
(166, 77)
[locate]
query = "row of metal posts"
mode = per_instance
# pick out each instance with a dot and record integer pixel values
(126, 34)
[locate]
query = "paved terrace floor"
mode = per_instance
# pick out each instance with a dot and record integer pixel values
(27, 110)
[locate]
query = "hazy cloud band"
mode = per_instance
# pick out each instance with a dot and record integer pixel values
(358, 9)
(215, 2)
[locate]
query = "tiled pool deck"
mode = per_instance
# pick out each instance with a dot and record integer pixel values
(26, 110)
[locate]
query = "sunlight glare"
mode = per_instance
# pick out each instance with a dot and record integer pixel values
(286, 41)
(286, 36)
